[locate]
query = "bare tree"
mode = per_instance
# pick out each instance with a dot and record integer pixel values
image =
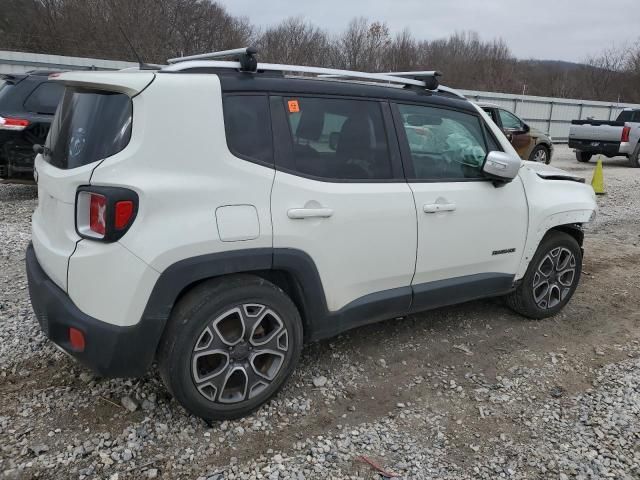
(295, 42)
(160, 29)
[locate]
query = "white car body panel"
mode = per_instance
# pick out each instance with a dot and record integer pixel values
(462, 242)
(177, 213)
(109, 283)
(53, 224)
(369, 243)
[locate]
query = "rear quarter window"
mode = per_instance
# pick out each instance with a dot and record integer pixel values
(89, 125)
(247, 124)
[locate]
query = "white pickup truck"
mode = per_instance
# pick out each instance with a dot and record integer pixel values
(618, 138)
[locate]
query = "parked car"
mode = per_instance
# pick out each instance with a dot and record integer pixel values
(27, 105)
(618, 138)
(214, 220)
(530, 143)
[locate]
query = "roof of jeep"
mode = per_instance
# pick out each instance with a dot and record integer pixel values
(233, 81)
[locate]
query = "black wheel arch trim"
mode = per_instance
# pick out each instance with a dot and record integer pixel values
(307, 291)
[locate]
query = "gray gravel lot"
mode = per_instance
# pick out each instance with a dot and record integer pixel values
(471, 391)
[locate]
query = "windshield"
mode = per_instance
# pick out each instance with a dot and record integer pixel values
(89, 125)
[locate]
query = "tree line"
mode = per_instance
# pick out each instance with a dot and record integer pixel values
(161, 29)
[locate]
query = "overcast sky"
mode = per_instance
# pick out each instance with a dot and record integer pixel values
(541, 29)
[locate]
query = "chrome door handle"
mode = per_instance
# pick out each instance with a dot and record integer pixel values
(301, 213)
(439, 207)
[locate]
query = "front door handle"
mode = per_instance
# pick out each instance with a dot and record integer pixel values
(439, 207)
(301, 213)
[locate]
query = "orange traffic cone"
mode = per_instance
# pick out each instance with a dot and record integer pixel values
(598, 179)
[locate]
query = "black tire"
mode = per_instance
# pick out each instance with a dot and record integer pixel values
(540, 153)
(193, 323)
(583, 157)
(529, 297)
(634, 158)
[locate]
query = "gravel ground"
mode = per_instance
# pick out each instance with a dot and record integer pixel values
(471, 391)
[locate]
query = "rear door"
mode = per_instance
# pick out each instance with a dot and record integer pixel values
(89, 126)
(339, 196)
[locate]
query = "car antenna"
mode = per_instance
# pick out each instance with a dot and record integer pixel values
(142, 65)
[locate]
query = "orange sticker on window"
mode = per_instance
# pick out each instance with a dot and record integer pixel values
(294, 107)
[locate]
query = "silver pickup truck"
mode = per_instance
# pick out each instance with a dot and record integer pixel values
(612, 139)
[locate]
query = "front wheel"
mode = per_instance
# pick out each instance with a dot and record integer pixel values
(551, 279)
(230, 345)
(583, 157)
(540, 154)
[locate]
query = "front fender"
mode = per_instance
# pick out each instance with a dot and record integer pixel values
(552, 202)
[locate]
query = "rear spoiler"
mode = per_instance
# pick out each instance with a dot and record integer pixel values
(130, 83)
(12, 78)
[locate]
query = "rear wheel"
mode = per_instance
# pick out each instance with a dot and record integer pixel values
(230, 345)
(634, 158)
(540, 154)
(583, 157)
(551, 279)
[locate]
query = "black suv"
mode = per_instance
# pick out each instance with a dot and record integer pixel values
(27, 105)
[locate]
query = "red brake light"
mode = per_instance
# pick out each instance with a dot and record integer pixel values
(97, 214)
(625, 134)
(15, 124)
(105, 213)
(124, 212)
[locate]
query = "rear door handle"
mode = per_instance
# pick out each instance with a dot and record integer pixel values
(439, 207)
(301, 213)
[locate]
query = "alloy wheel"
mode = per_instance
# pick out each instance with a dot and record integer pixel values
(239, 353)
(540, 156)
(554, 277)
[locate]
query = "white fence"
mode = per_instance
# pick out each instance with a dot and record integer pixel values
(548, 114)
(19, 62)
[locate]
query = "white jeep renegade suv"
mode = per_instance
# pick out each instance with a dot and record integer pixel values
(213, 218)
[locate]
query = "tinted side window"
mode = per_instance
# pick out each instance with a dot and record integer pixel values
(45, 98)
(510, 121)
(247, 125)
(338, 139)
(444, 144)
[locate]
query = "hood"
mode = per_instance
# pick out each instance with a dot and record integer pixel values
(548, 172)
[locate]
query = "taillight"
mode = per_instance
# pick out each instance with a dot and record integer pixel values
(105, 213)
(97, 214)
(124, 212)
(15, 124)
(625, 134)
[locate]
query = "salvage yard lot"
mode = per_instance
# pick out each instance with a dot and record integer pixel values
(472, 391)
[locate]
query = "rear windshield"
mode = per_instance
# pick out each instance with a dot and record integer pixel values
(89, 125)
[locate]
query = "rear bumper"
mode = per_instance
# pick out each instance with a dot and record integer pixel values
(110, 350)
(594, 146)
